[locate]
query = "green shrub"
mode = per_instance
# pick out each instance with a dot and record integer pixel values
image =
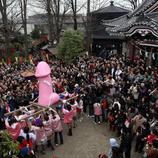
(70, 45)
(7, 145)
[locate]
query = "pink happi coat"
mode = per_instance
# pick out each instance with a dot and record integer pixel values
(74, 108)
(97, 109)
(40, 133)
(56, 124)
(14, 130)
(48, 128)
(68, 116)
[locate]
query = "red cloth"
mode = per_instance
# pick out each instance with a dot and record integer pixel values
(9, 61)
(25, 144)
(79, 110)
(12, 50)
(151, 138)
(14, 132)
(68, 115)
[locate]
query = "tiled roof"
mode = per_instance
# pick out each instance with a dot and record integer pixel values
(146, 4)
(99, 32)
(136, 19)
(111, 9)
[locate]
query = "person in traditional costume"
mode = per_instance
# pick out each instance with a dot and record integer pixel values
(57, 128)
(68, 117)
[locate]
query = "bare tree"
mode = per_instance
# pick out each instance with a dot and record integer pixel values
(73, 4)
(23, 10)
(4, 7)
(88, 30)
(15, 18)
(56, 10)
(97, 4)
(76, 8)
(59, 9)
(131, 4)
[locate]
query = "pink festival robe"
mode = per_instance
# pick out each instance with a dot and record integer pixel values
(40, 133)
(56, 124)
(48, 128)
(97, 109)
(68, 116)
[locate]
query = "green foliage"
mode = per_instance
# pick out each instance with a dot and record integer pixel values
(70, 45)
(35, 34)
(7, 145)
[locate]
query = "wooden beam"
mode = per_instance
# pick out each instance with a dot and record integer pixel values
(38, 106)
(20, 109)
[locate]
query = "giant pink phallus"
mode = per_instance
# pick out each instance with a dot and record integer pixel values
(46, 95)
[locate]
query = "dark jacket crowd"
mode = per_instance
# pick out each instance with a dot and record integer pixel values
(121, 92)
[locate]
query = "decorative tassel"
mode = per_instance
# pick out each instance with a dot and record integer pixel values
(16, 60)
(140, 52)
(153, 56)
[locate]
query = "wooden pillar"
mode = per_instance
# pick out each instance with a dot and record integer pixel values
(150, 57)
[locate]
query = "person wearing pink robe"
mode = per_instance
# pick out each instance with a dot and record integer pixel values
(97, 112)
(68, 117)
(41, 137)
(48, 129)
(15, 128)
(57, 127)
(74, 108)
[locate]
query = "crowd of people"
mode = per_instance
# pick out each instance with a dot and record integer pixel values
(115, 90)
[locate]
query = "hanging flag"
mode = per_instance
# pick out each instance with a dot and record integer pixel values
(146, 54)
(12, 50)
(140, 52)
(153, 56)
(30, 59)
(20, 60)
(5, 50)
(16, 60)
(9, 61)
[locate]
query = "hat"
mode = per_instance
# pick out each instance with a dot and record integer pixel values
(38, 122)
(113, 142)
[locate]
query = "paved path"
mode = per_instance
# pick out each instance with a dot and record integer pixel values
(88, 141)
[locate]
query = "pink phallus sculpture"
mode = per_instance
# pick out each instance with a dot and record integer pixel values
(46, 95)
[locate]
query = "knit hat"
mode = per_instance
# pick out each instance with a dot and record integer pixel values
(113, 142)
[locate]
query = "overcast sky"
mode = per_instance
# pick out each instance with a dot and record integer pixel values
(95, 4)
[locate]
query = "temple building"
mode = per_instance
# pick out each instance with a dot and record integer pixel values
(136, 32)
(102, 39)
